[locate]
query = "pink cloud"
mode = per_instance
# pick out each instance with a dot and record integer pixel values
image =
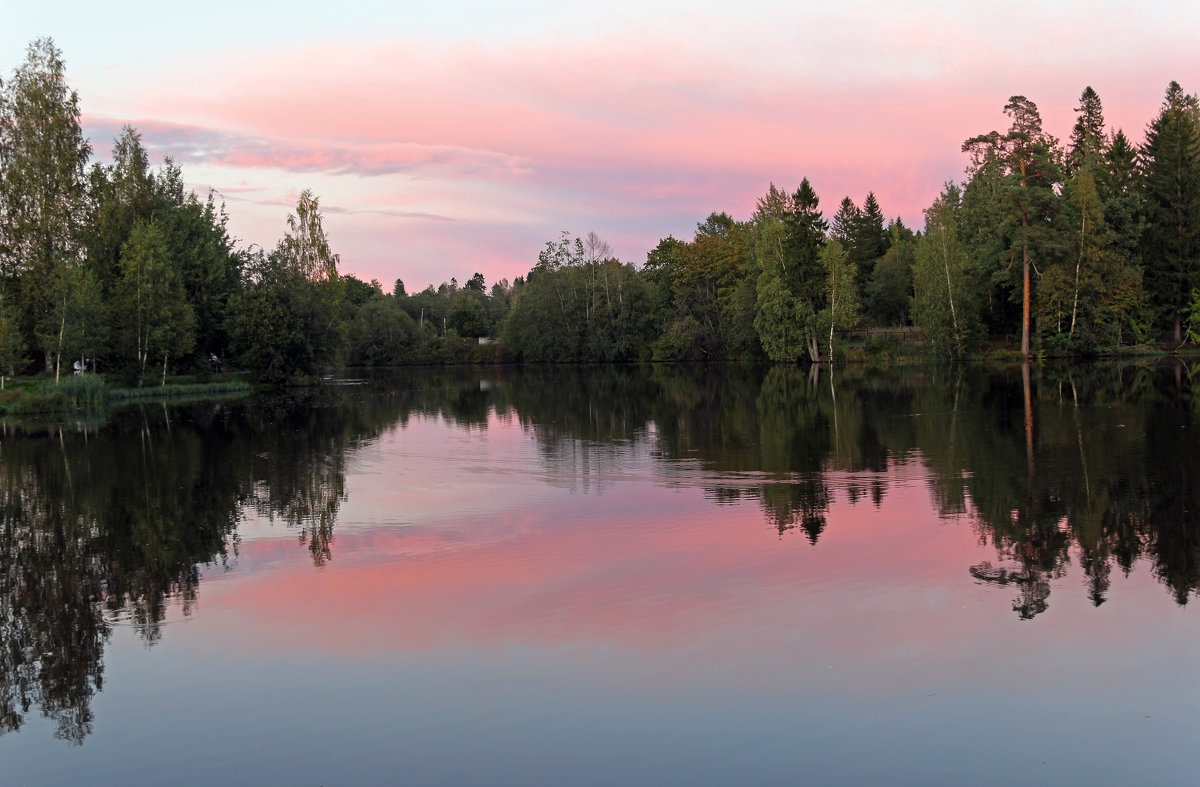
(188, 143)
(645, 133)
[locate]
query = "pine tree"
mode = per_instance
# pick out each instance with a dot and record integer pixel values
(1119, 185)
(870, 240)
(1029, 170)
(844, 226)
(1087, 136)
(1171, 244)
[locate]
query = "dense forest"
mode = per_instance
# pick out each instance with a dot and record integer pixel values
(1077, 248)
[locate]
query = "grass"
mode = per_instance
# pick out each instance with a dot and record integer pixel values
(177, 390)
(91, 392)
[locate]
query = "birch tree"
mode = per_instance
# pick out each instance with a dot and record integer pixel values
(158, 322)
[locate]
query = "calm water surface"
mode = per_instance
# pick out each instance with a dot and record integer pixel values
(668, 575)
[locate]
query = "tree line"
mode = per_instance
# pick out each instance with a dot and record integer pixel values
(1077, 248)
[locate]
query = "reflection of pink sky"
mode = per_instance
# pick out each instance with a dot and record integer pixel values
(426, 562)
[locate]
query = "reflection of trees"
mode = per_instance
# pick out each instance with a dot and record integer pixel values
(109, 526)
(586, 418)
(95, 531)
(1097, 466)
(1088, 464)
(788, 428)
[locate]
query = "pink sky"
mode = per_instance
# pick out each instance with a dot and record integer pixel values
(445, 142)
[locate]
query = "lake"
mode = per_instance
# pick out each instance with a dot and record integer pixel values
(599, 575)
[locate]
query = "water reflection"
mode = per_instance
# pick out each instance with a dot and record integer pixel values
(109, 525)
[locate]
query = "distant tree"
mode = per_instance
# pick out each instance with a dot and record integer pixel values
(468, 313)
(305, 245)
(278, 325)
(869, 241)
(845, 222)
(385, 335)
(889, 290)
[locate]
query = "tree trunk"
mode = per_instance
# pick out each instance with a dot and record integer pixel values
(164, 373)
(1025, 301)
(62, 326)
(1078, 265)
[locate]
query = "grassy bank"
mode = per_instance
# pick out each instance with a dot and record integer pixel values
(37, 396)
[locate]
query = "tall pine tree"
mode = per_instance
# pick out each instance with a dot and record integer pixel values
(1171, 244)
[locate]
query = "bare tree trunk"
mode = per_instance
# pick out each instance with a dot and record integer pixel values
(1025, 302)
(1078, 265)
(950, 294)
(62, 326)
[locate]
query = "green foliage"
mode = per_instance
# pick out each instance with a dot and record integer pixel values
(121, 264)
(1090, 298)
(944, 303)
(385, 334)
(890, 288)
(468, 313)
(81, 316)
(12, 345)
(1192, 317)
(305, 246)
(791, 284)
(572, 309)
(279, 328)
(157, 321)
(1087, 136)
(700, 293)
(786, 327)
(842, 298)
(42, 200)
(1021, 174)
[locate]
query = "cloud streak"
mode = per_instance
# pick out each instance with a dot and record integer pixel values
(195, 144)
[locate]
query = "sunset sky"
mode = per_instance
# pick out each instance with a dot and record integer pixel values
(455, 137)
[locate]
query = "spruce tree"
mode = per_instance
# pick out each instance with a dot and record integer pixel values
(1087, 136)
(1171, 244)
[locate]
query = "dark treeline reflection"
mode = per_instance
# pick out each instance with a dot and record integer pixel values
(1052, 465)
(109, 525)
